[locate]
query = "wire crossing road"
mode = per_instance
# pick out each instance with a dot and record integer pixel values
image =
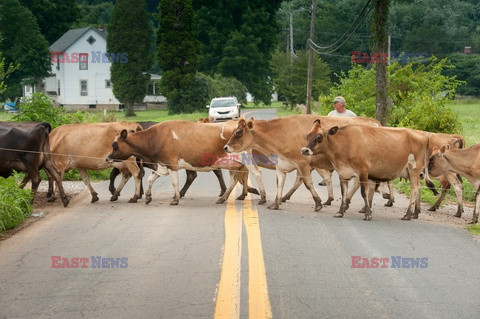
(239, 260)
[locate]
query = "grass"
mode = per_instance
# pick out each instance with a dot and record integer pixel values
(474, 229)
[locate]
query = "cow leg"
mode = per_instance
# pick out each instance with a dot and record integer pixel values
(443, 193)
(125, 177)
(86, 181)
(228, 191)
(477, 207)
(35, 177)
(365, 186)
(458, 188)
(243, 179)
(191, 175)
(371, 191)
(344, 204)
(54, 175)
(151, 179)
(307, 180)
(257, 174)
(414, 177)
(24, 181)
(175, 184)
(221, 181)
(296, 185)
(390, 196)
(113, 174)
(137, 173)
(327, 178)
(281, 176)
(353, 190)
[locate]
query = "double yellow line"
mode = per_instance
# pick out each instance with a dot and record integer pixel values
(228, 296)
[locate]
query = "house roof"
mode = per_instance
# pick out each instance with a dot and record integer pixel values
(71, 36)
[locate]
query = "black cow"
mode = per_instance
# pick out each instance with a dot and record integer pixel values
(25, 147)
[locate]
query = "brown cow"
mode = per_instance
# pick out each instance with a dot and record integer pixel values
(85, 146)
(285, 136)
(182, 145)
(371, 153)
(26, 147)
(465, 162)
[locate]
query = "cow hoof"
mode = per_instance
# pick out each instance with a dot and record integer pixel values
(458, 215)
(329, 201)
(262, 201)
(49, 195)
(51, 199)
(386, 196)
(432, 209)
(367, 218)
(220, 201)
(273, 206)
(133, 200)
(338, 215)
(94, 198)
(472, 222)
(406, 217)
(174, 202)
(241, 197)
(252, 190)
(318, 207)
(362, 211)
(113, 198)
(148, 199)
(221, 194)
(65, 201)
(415, 216)
(389, 203)
(112, 190)
(284, 199)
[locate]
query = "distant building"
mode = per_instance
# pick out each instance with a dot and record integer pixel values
(80, 74)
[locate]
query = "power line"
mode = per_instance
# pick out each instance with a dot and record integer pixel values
(353, 26)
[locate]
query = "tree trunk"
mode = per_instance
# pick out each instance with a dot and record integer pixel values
(380, 33)
(129, 109)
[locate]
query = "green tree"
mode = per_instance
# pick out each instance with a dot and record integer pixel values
(54, 17)
(22, 44)
(130, 32)
(467, 68)
(238, 39)
(418, 94)
(290, 76)
(177, 50)
(4, 73)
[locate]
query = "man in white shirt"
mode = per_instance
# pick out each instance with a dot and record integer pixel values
(340, 110)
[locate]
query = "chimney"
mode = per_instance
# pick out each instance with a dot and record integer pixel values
(467, 50)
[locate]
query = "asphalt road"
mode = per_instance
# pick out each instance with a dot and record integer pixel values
(237, 260)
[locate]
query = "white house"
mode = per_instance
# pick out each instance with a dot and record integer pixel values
(80, 75)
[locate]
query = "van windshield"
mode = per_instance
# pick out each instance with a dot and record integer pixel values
(223, 103)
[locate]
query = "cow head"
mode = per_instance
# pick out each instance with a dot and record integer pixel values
(316, 138)
(121, 149)
(437, 163)
(242, 138)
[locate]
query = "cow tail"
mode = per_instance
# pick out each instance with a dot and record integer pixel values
(428, 181)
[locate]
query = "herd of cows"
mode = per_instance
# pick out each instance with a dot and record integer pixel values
(357, 148)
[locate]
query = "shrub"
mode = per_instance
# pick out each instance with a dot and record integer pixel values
(418, 94)
(14, 203)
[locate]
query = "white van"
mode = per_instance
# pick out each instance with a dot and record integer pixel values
(224, 108)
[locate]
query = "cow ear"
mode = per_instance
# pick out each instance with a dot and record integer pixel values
(123, 134)
(333, 130)
(444, 148)
(250, 125)
(252, 118)
(316, 122)
(458, 143)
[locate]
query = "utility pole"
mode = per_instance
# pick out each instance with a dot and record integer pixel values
(310, 61)
(380, 35)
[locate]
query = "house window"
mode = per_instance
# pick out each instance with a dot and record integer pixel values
(83, 87)
(83, 61)
(91, 40)
(108, 84)
(58, 87)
